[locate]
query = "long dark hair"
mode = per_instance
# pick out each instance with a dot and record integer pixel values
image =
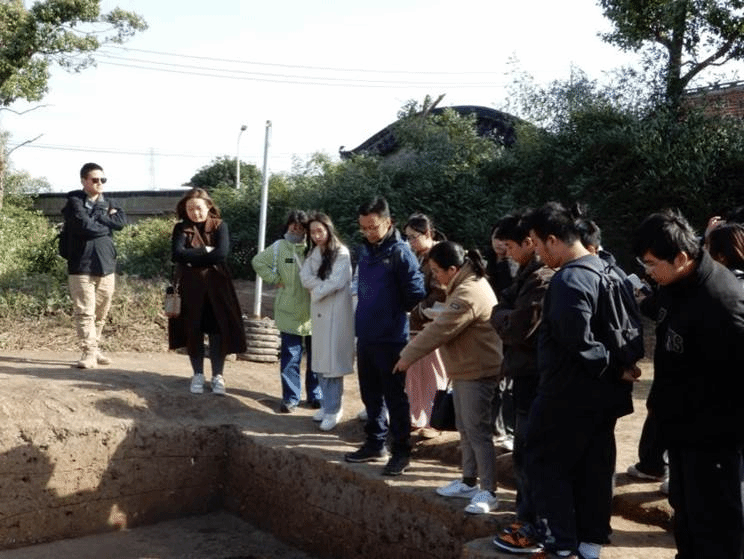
(196, 193)
(448, 253)
(328, 256)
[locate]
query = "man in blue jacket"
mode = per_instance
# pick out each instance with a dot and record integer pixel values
(695, 397)
(90, 221)
(389, 284)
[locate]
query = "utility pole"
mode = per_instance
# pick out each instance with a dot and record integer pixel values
(237, 158)
(262, 218)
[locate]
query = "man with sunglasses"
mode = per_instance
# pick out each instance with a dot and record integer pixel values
(90, 221)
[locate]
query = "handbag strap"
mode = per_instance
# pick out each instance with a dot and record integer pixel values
(174, 277)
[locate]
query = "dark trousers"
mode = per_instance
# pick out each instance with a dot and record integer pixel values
(651, 449)
(381, 389)
(524, 390)
(705, 492)
(570, 455)
(503, 410)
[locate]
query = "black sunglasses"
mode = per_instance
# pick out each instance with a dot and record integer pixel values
(96, 180)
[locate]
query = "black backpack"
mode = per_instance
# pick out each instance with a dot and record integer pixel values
(618, 320)
(63, 237)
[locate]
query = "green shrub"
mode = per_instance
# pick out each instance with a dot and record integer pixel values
(144, 249)
(29, 243)
(32, 276)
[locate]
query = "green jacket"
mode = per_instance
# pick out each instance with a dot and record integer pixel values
(280, 264)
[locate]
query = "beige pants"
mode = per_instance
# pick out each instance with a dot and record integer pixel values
(91, 301)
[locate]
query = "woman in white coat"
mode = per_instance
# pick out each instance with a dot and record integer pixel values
(326, 273)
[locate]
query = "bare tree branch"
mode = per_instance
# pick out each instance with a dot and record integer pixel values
(23, 144)
(23, 112)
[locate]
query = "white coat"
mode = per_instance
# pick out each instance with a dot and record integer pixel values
(332, 314)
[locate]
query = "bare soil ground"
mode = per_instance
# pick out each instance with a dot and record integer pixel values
(39, 381)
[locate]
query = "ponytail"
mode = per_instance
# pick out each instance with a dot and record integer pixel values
(448, 253)
(476, 260)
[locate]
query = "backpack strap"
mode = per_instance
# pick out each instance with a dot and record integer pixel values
(275, 246)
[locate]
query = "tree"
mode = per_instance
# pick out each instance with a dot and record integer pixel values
(620, 160)
(436, 169)
(54, 31)
(692, 35)
(221, 173)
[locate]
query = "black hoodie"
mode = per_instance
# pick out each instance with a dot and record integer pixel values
(699, 358)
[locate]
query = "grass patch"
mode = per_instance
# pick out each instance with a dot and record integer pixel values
(38, 315)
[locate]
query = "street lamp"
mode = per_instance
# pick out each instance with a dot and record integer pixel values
(237, 158)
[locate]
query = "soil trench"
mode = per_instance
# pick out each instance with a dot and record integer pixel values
(115, 448)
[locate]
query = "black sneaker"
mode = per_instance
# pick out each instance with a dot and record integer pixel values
(366, 454)
(517, 542)
(397, 464)
(287, 407)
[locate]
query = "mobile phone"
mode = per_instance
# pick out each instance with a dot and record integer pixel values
(639, 285)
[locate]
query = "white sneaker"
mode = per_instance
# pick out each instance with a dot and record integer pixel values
(218, 385)
(102, 359)
(457, 488)
(633, 471)
(197, 384)
(330, 421)
(319, 415)
(87, 361)
(482, 502)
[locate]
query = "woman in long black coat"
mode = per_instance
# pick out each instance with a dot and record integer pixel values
(209, 305)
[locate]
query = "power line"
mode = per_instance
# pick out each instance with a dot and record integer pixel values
(304, 67)
(112, 151)
(273, 75)
(294, 80)
(148, 153)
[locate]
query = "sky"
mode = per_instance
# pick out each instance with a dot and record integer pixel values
(325, 74)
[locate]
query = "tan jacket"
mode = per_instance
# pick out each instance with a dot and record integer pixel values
(469, 346)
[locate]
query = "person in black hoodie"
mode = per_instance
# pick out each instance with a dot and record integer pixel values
(570, 443)
(696, 393)
(90, 221)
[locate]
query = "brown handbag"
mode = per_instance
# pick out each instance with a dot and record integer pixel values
(172, 302)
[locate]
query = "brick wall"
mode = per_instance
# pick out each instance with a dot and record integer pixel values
(725, 99)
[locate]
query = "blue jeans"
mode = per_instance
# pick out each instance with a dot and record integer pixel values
(291, 358)
(333, 390)
(381, 388)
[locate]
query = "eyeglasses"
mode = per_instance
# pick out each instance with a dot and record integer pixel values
(646, 265)
(98, 180)
(372, 228)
